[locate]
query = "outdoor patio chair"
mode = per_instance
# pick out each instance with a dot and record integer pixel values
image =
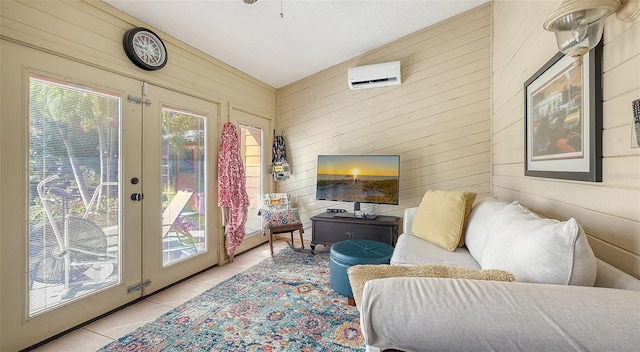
(173, 229)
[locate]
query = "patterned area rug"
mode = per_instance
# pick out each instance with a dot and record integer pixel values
(284, 303)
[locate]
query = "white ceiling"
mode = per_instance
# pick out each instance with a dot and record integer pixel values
(311, 36)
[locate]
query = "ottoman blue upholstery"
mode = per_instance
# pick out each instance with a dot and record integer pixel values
(345, 254)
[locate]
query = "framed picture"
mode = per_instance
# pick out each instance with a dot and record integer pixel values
(563, 119)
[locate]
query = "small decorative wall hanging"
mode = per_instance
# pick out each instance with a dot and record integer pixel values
(279, 166)
(563, 119)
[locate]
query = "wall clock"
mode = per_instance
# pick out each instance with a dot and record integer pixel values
(145, 49)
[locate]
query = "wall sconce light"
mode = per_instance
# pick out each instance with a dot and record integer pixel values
(578, 24)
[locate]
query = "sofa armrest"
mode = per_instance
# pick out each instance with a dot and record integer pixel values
(466, 315)
(407, 220)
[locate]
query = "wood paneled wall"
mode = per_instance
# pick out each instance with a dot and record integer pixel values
(91, 32)
(438, 120)
(609, 211)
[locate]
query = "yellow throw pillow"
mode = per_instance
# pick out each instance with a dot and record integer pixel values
(441, 217)
(471, 197)
(360, 274)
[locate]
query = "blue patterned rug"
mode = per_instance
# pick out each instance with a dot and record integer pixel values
(284, 303)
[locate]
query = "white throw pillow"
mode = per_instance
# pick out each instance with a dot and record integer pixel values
(539, 250)
(481, 219)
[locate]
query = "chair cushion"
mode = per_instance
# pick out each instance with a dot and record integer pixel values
(441, 216)
(272, 217)
(539, 250)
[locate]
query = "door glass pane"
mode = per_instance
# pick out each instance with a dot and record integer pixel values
(74, 217)
(183, 177)
(251, 149)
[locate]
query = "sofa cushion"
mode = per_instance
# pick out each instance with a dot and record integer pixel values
(360, 274)
(481, 219)
(539, 250)
(475, 315)
(411, 250)
(441, 216)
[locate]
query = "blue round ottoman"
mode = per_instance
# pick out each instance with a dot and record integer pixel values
(345, 254)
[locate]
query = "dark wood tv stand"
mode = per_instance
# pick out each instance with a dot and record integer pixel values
(329, 228)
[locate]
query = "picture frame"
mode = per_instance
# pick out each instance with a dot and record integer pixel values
(563, 119)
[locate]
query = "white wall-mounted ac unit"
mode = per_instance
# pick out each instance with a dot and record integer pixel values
(376, 75)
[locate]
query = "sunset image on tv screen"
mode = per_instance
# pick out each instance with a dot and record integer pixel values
(358, 178)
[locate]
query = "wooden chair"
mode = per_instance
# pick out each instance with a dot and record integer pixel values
(278, 217)
(277, 229)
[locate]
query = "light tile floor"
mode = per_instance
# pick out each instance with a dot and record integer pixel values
(93, 336)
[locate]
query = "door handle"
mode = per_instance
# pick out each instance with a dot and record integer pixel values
(137, 197)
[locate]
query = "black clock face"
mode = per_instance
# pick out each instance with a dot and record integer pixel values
(145, 49)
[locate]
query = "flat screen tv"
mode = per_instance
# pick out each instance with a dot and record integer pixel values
(359, 179)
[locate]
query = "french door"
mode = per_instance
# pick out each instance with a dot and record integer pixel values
(255, 143)
(105, 192)
(180, 213)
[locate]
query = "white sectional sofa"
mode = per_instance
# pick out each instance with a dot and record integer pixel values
(552, 306)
